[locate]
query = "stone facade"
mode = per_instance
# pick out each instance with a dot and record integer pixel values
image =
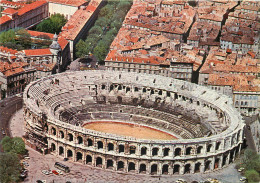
(210, 132)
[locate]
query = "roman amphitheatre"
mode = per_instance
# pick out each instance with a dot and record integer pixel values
(132, 122)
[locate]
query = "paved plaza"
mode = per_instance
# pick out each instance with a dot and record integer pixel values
(82, 173)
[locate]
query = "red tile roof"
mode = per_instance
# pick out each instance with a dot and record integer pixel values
(4, 19)
(36, 52)
(91, 8)
(69, 2)
(7, 50)
(9, 11)
(32, 6)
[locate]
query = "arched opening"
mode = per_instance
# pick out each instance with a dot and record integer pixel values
(231, 156)
(132, 149)
(199, 149)
(79, 140)
(165, 169)
(217, 145)
(61, 150)
(154, 168)
(188, 150)
(207, 166)
(110, 147)
(131, 166)
(187, 168)
(90, 142)
(70, 137)
(69, 153)
(166, 152)
(176, 169)
(209, 147)
(142, 168)
(119, 99)
(143, 151)
(78, 156)
(100, 145)
(120, 166)
(224, 160)
(121, 148)
(110, 164)
(53, 131)
(61, 133)
(197, 167)
(155, 151)
(216, 165)
(177, 152)
(89, 160)
(53, 147)
(99, 162)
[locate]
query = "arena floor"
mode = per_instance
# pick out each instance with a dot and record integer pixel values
(125, 129)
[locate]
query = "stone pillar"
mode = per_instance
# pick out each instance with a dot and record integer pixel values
(181, 169)
(84, 158)
(202, 167)
(159, 168)
(212, 165)
(220, 161)
(148, 168)
(192, 167)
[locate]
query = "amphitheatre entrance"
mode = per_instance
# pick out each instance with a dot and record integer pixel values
(127, 129)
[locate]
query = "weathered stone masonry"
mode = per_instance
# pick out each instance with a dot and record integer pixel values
(209, 130)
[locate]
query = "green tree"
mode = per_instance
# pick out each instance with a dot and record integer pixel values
(24, 38)
(252, 176)
(7, 36)
(14, 145)
(100, 51)
(53, 24)
(96, 30)
(102, 22)
(10, 167)
(107, 11)
(123, 5)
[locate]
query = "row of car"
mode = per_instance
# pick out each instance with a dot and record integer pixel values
(48, 172)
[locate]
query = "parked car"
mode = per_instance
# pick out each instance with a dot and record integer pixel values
(3, 132)
(59, 172)
(45, 172)
(24, 174)
(55, 172)
(243, 179)
(240, 169)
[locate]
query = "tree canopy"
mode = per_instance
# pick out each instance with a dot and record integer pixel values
(10, 167)
(52, 24)
(14, 145)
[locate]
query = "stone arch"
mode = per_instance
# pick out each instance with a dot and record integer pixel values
(176, 169)
(69, 153)
(120, 165)
(53, 147)
(70, 137)
(78, 156)
(154, 169)
(197, 167)
(187, 168)
(166, 151)
(209, 147)
(131, 166)
(188, 150)
(199, 150)
(110, 164)
(53, 131)
(177, 151)
(110, 147)
(216, 164)
(100, 145)
(207, 165)
(90, 142)
(132, 149)
(217, 145)
(99, 162)
(165, 169)
(142, 168)
(61, 150)
(155, 151)
(119, 99)
(121, 148)
(88, 159)
(79, 140)
(61, 134)
(143, 151)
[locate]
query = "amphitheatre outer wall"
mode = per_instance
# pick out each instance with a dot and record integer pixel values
(56, 107)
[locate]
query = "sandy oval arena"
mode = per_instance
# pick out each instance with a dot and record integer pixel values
(131, 130)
